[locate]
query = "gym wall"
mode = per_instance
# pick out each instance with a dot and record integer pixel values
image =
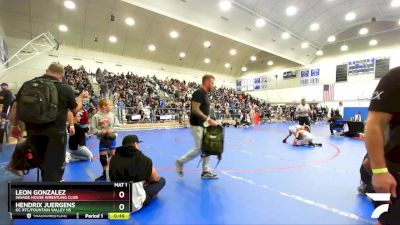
(355, 90)
(92, 60)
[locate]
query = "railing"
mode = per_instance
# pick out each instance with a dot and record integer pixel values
(132, 115)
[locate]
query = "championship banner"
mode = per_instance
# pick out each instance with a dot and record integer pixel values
(244, 85)
(257, 83)
(238, 85)
(264, 82)
(304, 77)
(250, 84)
(314, 80)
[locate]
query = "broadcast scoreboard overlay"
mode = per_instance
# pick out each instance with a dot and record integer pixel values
(69, 200)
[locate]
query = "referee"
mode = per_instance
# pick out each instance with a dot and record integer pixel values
(382, 139)
(302, 111)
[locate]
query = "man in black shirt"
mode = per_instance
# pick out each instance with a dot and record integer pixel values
(5, 97)
(199, 117)
(382, 139)
(49, 140)
(130, 164)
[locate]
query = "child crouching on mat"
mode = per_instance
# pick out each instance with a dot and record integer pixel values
(293, 130)
(104, 125)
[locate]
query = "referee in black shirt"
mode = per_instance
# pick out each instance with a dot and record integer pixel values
(382, 139)
(200, 111)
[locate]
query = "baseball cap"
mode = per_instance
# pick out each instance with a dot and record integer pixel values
(130, 139)
(4, 84)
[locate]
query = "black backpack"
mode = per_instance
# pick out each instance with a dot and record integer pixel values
(213, 142)
(38, 101)
(24, 158)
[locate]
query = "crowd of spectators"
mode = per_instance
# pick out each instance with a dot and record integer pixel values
(79, 79)
(151, 97)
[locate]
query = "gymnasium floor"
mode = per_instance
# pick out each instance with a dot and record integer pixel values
(262, 180)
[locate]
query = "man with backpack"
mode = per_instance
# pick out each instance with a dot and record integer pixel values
(42, 104)
(199, 117)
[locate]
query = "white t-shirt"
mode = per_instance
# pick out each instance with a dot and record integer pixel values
(302, 110)
(138, 196)
(341, 110)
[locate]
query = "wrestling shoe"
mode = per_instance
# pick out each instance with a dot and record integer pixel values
(179, 168)
(209, 175)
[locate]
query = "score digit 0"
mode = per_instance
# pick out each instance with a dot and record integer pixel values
(121, 194)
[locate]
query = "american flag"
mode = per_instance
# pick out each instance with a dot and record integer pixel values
(329, 92)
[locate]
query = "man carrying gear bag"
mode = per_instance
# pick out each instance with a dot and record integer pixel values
(199, 117)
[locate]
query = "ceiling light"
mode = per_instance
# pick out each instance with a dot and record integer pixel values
(314, 26)
(152, 48)
(244, 69)
(113, 39)
(285, 35)
(227, 65)
(320, 52)
(182, 55)
(344, 48)
(225, 5)
(174, 34)
(253, 58)
(304, 45)
(207, 44)
(331, 39)
(63, 28)
(130, 21)
(69, 4)
(399, 22)
(270, 63)
(363, 31)
(291, 10)
(260, 22)
(232, 52)
(395, 3)
(373, 42)
(207, 60)
(350, 16)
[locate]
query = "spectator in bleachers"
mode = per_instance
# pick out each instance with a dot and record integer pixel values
(121, 108)
(5, 97)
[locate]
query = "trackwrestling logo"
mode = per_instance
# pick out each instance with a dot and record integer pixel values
(379, 197)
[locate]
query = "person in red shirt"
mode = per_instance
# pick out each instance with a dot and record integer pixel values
(84, 122)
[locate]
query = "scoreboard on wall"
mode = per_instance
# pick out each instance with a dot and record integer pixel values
(377, 66)
(361, 67)
(70, 200)
(289, 74)
(252, 84)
